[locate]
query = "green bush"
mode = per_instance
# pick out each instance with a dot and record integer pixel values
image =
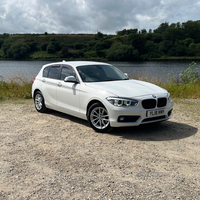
(43, 46)
(189, 75)
(90, 54)
(50, 49)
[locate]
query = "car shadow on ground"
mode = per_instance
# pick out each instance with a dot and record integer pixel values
(67, 116)
(161, 131)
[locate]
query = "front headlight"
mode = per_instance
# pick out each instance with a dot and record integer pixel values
(168, 97)
(122, 101)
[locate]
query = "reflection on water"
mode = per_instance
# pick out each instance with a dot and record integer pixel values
(156, 69)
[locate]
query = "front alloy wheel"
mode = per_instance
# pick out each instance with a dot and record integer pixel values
(39, 102)
(98, 118)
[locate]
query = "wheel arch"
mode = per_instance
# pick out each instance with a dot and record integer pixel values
(98, 123)
(36, 90)
(91, 103)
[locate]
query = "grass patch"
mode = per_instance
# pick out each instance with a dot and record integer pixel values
(15, 88)
(20, 88)
(188, 91)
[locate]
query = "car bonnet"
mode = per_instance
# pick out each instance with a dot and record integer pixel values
(127, 88)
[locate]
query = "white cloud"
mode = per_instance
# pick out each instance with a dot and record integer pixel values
(90, 16)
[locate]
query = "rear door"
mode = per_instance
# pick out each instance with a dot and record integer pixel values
(50, 79)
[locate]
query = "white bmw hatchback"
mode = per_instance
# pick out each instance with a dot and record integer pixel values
(99, 93)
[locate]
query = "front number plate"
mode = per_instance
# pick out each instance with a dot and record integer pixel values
(153, 113)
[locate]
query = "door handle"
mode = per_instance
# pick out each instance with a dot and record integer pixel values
(59, 84)
(43, 80)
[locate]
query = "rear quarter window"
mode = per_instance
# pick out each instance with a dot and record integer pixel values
(46, 71)
(51, 72)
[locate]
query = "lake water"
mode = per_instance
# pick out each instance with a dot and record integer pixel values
(158, 69)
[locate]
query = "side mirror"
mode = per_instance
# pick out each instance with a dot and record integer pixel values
(70, 79)
(126, 75)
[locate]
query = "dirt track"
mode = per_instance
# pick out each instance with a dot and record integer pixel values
(56, 156)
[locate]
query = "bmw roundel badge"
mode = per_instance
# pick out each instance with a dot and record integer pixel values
(154, 96)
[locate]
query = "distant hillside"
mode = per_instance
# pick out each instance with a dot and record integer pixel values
(175, 41)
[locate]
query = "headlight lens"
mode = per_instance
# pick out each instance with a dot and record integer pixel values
(122, 102)
(169, 99)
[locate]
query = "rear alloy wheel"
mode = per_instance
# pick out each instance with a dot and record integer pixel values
(39, 102)
(98, 118)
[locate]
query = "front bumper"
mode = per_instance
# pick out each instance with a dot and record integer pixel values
(134, 116)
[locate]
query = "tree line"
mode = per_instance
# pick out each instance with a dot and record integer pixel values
(167, 41)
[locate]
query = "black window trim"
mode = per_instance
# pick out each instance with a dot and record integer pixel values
(51, 66)
(64, 65)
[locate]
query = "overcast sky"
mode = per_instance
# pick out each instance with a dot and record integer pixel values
(90, 16)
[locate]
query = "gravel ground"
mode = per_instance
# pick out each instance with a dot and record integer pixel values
(56, 156)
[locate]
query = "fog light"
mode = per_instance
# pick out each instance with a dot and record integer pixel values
(129, 118)
(121, 119)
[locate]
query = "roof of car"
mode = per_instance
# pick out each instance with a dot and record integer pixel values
(77, 63)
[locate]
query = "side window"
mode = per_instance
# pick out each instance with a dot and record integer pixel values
(46, 71)
(66, 71)
(53, 72)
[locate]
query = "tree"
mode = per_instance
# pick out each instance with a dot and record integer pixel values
(173, 33)
(18, 51)
(50, 49)
(138, 41)
(55, 43)
(127, 32)
(119, 51)
(152, 49)
(143, 31)
(64, 52)
(43, 46)
(178, 50)
(162, 28)
(98, 36)
(188, 41)
(1, 42)
(192, 30)
(78, 46)
(98, 46)
(5, 48)
(195, 48)
(165, 46)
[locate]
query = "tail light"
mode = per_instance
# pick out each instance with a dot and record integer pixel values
(33, 80)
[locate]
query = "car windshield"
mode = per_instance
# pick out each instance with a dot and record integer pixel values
(100, 73)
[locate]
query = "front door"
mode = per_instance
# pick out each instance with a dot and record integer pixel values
(67, 92)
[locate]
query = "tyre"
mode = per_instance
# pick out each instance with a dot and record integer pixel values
(39, 102)
(98, 118)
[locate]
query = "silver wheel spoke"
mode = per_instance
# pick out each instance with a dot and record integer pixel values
(99, 118)
(103, 122)
(38, 102)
